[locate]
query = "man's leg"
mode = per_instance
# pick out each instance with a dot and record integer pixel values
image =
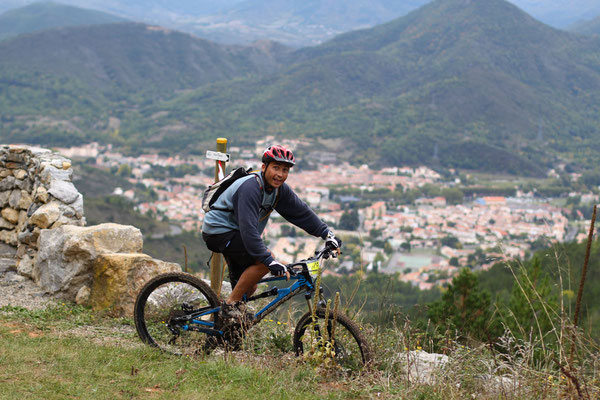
(247, 283)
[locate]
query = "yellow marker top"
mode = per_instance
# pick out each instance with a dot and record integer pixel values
(221, 140)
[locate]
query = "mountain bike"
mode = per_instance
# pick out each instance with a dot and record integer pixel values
(179, 313)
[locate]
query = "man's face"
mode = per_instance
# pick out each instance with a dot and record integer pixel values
(276, 173)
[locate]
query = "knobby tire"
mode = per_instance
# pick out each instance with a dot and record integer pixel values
(163, 297)
(348, 339)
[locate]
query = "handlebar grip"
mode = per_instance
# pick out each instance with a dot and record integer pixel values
(291, 270)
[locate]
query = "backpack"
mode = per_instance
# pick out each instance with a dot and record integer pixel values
(212, 193)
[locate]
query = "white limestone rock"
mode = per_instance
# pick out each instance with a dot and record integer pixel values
(46, 215)
(64, 191)
(67, 254)
(425, 367)
(77, 205)
(50, 173)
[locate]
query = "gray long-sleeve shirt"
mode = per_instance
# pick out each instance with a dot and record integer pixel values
(249, 216)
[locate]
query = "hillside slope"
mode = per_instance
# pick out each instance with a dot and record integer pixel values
(450, 82)
(46, 15)
(68, 80)
(133, 55)
(457, 83)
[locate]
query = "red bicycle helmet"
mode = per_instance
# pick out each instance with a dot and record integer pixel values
(278, 153)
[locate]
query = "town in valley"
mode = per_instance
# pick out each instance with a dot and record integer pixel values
(410, 221)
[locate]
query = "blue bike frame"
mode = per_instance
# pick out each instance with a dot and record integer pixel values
(282, 295)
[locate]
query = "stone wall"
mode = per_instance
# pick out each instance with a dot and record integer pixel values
(35, 193)
(42, 218)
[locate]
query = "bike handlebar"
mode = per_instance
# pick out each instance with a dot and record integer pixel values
(326, 252)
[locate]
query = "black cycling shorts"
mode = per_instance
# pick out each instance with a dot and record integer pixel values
(232, 247)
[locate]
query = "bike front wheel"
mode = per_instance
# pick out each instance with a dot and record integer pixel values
(161, 307)
(341, 339)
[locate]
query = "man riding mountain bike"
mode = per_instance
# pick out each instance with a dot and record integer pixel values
(234, 224)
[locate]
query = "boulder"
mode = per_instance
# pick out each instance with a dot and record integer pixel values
(46, 215)
(67, 254)
(119, 277)
(11, 215)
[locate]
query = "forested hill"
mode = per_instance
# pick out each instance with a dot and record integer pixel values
(60, 86)
(45, 15)
(461, 83)
(135, 56)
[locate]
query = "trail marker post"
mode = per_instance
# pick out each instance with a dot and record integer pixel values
(217, 266)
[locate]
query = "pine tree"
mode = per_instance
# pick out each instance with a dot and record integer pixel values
(464, 307)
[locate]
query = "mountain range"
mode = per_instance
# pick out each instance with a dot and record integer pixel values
(590, 27)
(293, 22)
(41, 16)
(458, 83)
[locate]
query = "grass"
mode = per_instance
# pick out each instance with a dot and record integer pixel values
(68, 351)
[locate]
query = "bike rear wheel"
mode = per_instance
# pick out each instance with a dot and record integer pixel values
(161, 305)
(350, 349)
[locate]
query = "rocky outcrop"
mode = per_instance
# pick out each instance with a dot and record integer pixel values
(119, 277)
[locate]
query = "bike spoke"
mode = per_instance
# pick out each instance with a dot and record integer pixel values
(164, 313)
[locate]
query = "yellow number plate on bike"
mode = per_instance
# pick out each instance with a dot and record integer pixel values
(313, 267)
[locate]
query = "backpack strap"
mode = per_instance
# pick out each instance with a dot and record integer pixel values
(262, 189)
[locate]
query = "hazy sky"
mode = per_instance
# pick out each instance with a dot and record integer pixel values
(559, 13)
